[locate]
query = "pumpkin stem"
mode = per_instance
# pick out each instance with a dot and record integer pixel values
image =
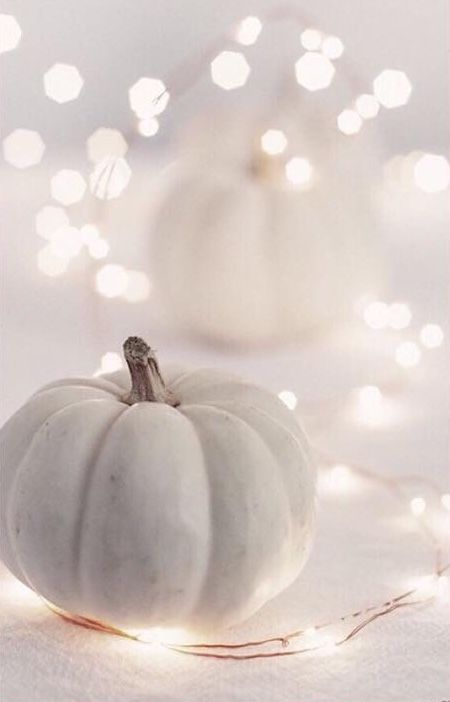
(147, 384)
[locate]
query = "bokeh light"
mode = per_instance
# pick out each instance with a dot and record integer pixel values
(148, 127)
(110, 362)
(62, 82)
(367, 106)
(23, 148)
(432, 173)
(332, 47)
(10, 33)
(311, 39)
(392, 88)
(407, 354)
(67, 186)
(50, 264)
(50, 218)
(138, 287)
(248, 30)
(109, 178)
(111, 280)
(230, 70)
(417, 506)
(98, 249)
(314, 71)
(66, 242)
(431, 336)
(106, 142)
(369, 405)
(376, 315)
(349, 122)
(148, 97)
(289, 398)
(274, 142)
(298, 171)
(400, 315)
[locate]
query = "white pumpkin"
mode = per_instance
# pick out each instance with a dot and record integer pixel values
(186, 504)
(242, 256)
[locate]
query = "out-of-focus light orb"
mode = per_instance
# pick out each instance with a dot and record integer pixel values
(400, 315)
(109, 178)
(369, 405)
(110, 362)
(432, 173)
(349, 122)
(332, 47)
(89, 233)
(417, 506)
(63, 82)
(67, 186)
(106, 142)
(431, 336)
(289, 398)
(399, 171)
(407, 354)
(148, 97)
(311, 39)
(23, 148)
(392, 88)
(367, 106)
(298, 171)
(50, 264)
(314, 71)
(138, 287)
(148, 127)
(10, 33)
(274, 142)
(445, 501)
(111, 280)
(66, 242)
(49, 219)
(338, 479)
(98, 249)
(248, 30)
(230, 70)
(376, 315)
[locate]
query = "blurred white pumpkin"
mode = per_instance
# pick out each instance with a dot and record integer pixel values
(250, 247)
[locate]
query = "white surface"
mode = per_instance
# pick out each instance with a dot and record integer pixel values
(366, 549)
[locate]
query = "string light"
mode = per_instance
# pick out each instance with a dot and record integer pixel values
(274, 142)
(338, 479)
(314, 71)
(248, 31)
(445, 501)
(417, 506)
(432, 173)
(104, 143)
(367, 106)
(109, 178)
(138, 287)
(407, 354)
(431, 336)
(66, 242)
(50, 264)
(67, 186)
(311, 39)
(10, 33)
(230, 70)
(349, 122)
(109, 363)
(148, 97)
(63, 82)
(369, 405)
(298, 171)
(148, 127)
(48, 219)
(392, 88)
(332, 47)
(23, 148)
(289, 398)
(98, 249)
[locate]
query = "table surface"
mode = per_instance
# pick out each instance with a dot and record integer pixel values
(367, 547)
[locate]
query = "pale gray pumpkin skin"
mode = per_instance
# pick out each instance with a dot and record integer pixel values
(151, 515)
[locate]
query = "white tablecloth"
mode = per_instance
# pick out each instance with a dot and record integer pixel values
(367, 547)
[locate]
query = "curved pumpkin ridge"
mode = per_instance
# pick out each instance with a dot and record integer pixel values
(300, 506)
(98, 383)
(17, 435)
(49, 540)
(243, 484)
